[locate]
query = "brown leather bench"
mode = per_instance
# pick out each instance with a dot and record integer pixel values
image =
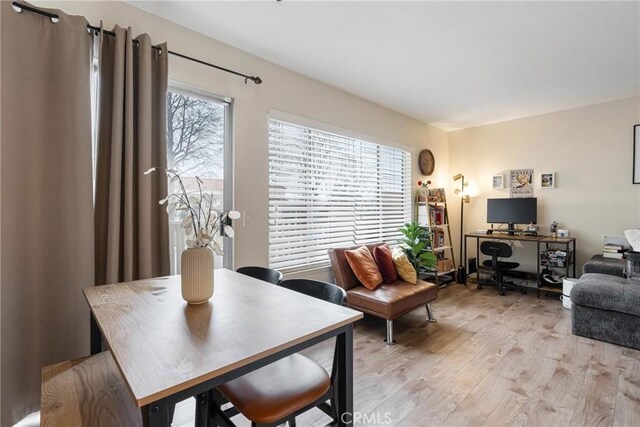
(387, 301)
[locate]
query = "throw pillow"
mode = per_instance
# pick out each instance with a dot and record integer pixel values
(364, 267)
(404, 267)
(633, 236)
(384, 259)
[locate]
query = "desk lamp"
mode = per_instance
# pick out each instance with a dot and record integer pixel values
(461, 273)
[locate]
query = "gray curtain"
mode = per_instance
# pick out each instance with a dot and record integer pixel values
(131, 228)
(46, 202)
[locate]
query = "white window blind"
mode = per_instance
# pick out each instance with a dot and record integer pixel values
(328, 191)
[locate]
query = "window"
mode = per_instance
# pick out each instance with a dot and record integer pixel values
(327, 190)
(198, 144)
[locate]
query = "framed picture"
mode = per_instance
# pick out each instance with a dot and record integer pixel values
(636, 154)
(548, 180)
(521, 184)
(498, 182)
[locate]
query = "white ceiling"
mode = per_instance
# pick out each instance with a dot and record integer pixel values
(451, 64)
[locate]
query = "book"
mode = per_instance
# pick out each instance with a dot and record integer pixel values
(617, 255)
(438, 238)
(436, 214)
(436, 195)
(611, 247)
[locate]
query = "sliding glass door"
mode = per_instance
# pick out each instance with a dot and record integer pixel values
(199, 129)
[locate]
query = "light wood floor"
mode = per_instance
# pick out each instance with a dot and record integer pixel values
(489, 360)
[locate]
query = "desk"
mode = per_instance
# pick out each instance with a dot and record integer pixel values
(568, 243)
(168, 351)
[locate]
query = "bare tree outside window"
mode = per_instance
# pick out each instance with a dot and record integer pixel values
(195, 136)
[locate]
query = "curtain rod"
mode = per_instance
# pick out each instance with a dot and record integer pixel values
(19, 7)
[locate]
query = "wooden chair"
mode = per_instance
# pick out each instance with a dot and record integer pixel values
(498, 250)
(262, 273)
(86, 392)
(277, 393)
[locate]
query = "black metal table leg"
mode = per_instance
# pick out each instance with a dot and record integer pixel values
(538, 283)
(464, 261)
(95, 336)
(344, 378)
(155, 415)
(478, 258)
(202, 410)
(573, 244)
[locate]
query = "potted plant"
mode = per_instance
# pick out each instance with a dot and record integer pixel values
(204, 227)
(417, 246)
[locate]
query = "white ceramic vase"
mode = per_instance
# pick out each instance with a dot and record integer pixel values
(197, 275)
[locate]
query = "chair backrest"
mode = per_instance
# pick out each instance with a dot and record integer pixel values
(317, 289)
(496, 249)
(262, 273)
(341, 268)
(324, 291)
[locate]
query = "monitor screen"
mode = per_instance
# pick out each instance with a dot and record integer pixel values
(512, 211)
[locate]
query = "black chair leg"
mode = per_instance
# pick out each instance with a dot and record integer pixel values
(333, 410)
(501, 284)
(292, 422)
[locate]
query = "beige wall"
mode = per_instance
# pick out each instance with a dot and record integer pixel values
(589, 149)
(282, 90)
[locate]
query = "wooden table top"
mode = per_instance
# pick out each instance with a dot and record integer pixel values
(162, 345)
(505, 236)
(538, 238)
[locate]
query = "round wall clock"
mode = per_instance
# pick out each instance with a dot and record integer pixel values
(427, 162)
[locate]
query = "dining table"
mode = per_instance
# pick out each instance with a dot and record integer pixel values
(168, 351)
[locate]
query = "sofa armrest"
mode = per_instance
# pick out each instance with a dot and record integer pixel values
(602, 265)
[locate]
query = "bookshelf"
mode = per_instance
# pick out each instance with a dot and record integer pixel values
(432, 213)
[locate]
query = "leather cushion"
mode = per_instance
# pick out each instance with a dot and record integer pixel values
(404, 267)
(384, 260)
(364, 267)
(341, 270)
(394, 300)
(275, 391)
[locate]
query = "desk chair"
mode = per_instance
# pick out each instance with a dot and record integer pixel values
(499, 250)
(262, 273)
(278, 392)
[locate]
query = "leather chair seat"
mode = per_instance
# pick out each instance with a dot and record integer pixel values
(271, 393)
(502, 265)
(392, 300)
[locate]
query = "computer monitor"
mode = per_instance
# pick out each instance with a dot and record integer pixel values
(512, 211)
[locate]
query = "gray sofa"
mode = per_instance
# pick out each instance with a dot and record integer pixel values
(607, 308)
